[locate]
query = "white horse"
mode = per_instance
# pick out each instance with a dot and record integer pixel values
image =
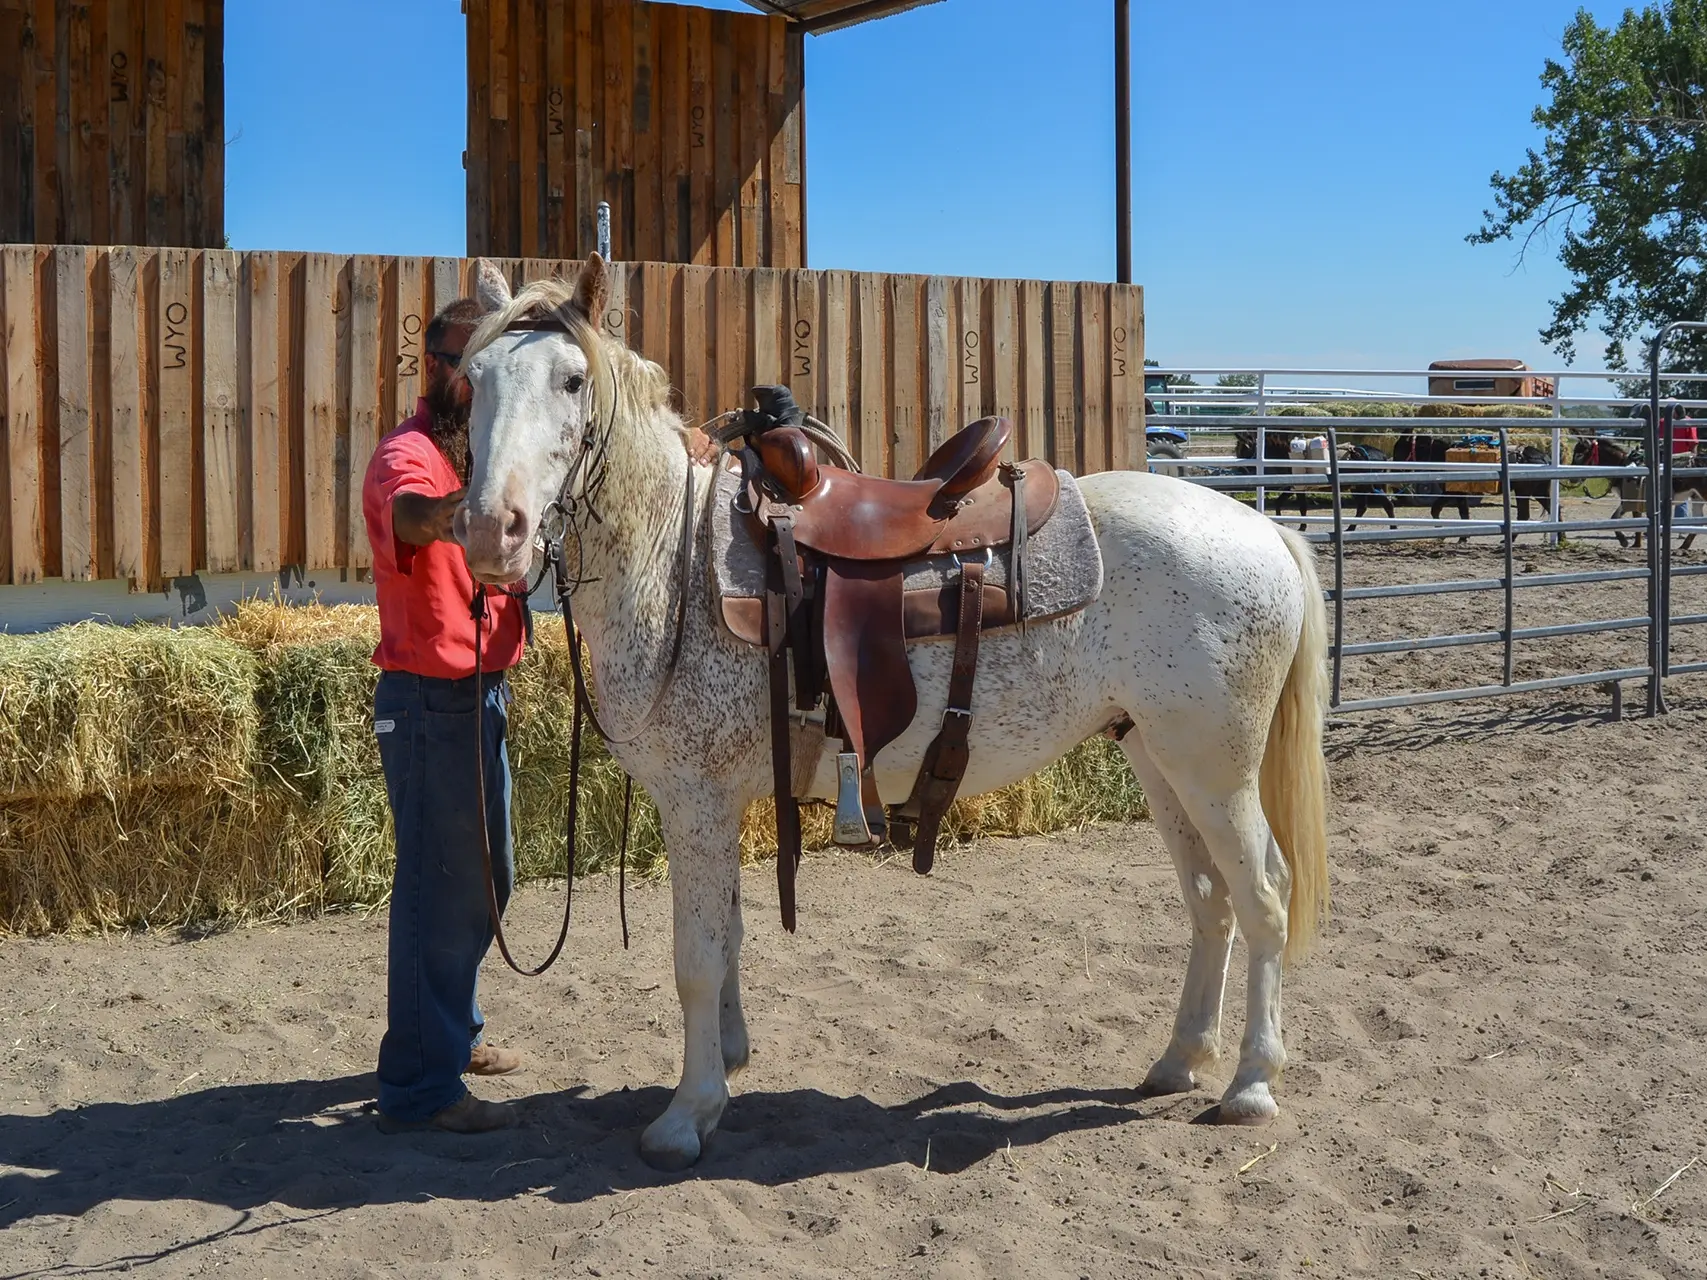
(1208, 634)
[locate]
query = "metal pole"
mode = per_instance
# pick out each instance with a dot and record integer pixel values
(1123, 140)
(1656, 624)
(1339, 560)
(604, 230)
(1554, 492)
(1505, 494)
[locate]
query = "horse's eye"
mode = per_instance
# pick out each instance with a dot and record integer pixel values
(575, 383)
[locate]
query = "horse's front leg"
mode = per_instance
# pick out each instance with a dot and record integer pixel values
(701, 835)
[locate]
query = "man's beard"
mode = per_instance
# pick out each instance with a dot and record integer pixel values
(447, 424)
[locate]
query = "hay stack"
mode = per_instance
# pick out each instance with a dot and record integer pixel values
(151, 776)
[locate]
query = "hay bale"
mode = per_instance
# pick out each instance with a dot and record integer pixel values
(155, 856)
(95, 710)
(151, 776)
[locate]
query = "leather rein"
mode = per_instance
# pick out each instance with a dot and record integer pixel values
(566, 514)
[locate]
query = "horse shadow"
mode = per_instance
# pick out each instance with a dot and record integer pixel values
(312, 1145)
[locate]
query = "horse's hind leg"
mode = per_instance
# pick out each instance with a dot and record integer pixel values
(1196, 1039)
(1259, 882)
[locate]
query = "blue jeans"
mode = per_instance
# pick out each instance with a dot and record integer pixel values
(440, 923)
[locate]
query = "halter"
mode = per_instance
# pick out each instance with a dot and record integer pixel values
(564, 515)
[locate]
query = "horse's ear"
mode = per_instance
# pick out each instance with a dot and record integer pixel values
(491, 289)
(592, 288)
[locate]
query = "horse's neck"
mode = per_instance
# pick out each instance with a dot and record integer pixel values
(631, 554)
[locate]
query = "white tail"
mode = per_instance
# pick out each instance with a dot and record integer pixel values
(1294, 778)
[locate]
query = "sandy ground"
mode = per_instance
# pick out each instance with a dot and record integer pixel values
(1496, 1054)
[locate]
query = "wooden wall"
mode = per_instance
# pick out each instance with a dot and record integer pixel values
(170, 411)
(689, 122)
(112, 122)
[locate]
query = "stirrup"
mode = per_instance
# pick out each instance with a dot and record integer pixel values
(852, 830)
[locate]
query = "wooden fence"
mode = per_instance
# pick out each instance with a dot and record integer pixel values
(688, 122)
(112, 121)
(170, 411)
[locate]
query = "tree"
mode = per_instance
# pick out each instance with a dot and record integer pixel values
(1621, 179)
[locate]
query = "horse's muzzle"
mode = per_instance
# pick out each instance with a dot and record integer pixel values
(498, 545)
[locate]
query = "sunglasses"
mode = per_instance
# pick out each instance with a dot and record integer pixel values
(452, 359)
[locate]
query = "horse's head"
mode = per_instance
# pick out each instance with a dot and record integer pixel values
(535, 366)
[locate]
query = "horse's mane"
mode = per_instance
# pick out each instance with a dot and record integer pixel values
(638, 382)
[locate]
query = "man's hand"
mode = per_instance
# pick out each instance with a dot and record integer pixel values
(421, 521)
(702, 448)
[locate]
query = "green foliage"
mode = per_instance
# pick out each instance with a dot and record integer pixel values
(1621, 177)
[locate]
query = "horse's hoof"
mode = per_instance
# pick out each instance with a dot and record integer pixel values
(1252, 1104)
(670, 1144)
(1165, 1079)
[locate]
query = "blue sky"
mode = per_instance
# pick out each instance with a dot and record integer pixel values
(1305, 173)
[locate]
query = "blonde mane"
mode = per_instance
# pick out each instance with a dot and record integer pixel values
(640, 384)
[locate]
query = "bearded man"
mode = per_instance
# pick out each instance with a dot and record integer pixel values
(424, 709)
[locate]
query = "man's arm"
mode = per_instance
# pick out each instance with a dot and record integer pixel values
(421, 520)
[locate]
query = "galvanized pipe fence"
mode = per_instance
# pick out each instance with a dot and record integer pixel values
(1219, 411)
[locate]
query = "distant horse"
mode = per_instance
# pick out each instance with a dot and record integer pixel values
(1295, 450)
(1598, 451)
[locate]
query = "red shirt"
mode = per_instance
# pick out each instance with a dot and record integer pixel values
(424, 592)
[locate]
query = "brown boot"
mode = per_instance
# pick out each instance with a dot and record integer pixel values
(487, 1060)
(467, 1114)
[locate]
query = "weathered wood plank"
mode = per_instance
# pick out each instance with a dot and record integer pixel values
(264, 398)
(794, 155)
(365, 427)
(175, 358)
(124, 375)
(731, 355)
(1034, 334)
(751, 86)
(803, 338)
(476, 158)
(17, 134)
(834, 384)
(907, 414)
(1126, 376)
(320, 391)
(941, 368)
(698, 311)
(703, 139)
(874, 447)
(583, 194)
(1002, 364)
(644, 193)
(726, 180)
(193, 122)
(155, 122)
(410, 323)
(222, 416)
(670, 123)
(527, 126)
(71, 265)
(1066, 442)
(500, 135)
(976, 398)
(558, 91)
(122, 109)
(23, 342)
(764, 317)
(176, 156)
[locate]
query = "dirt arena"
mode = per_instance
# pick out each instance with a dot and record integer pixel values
(1497, 1064)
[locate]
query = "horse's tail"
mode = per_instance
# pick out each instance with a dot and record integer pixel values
(1294, 778)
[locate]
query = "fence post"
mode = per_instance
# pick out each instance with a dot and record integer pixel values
(1505, 501)
(1262, 442)
(1339, 558)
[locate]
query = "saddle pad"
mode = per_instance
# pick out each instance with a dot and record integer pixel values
(1063, 559)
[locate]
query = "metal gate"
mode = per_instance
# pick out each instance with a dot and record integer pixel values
(1268, 403)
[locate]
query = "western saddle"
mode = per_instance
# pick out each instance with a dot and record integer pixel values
(837, 547)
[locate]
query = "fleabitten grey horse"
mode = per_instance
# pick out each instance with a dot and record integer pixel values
(1208, 634)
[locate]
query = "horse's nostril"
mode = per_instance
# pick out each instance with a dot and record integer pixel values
(515, 524)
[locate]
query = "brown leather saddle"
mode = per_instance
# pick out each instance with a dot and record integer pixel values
(837, 546)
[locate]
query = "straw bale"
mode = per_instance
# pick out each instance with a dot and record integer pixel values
(157, 856)
(96, 709)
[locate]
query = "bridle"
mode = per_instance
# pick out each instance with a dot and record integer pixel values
(568, 514)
